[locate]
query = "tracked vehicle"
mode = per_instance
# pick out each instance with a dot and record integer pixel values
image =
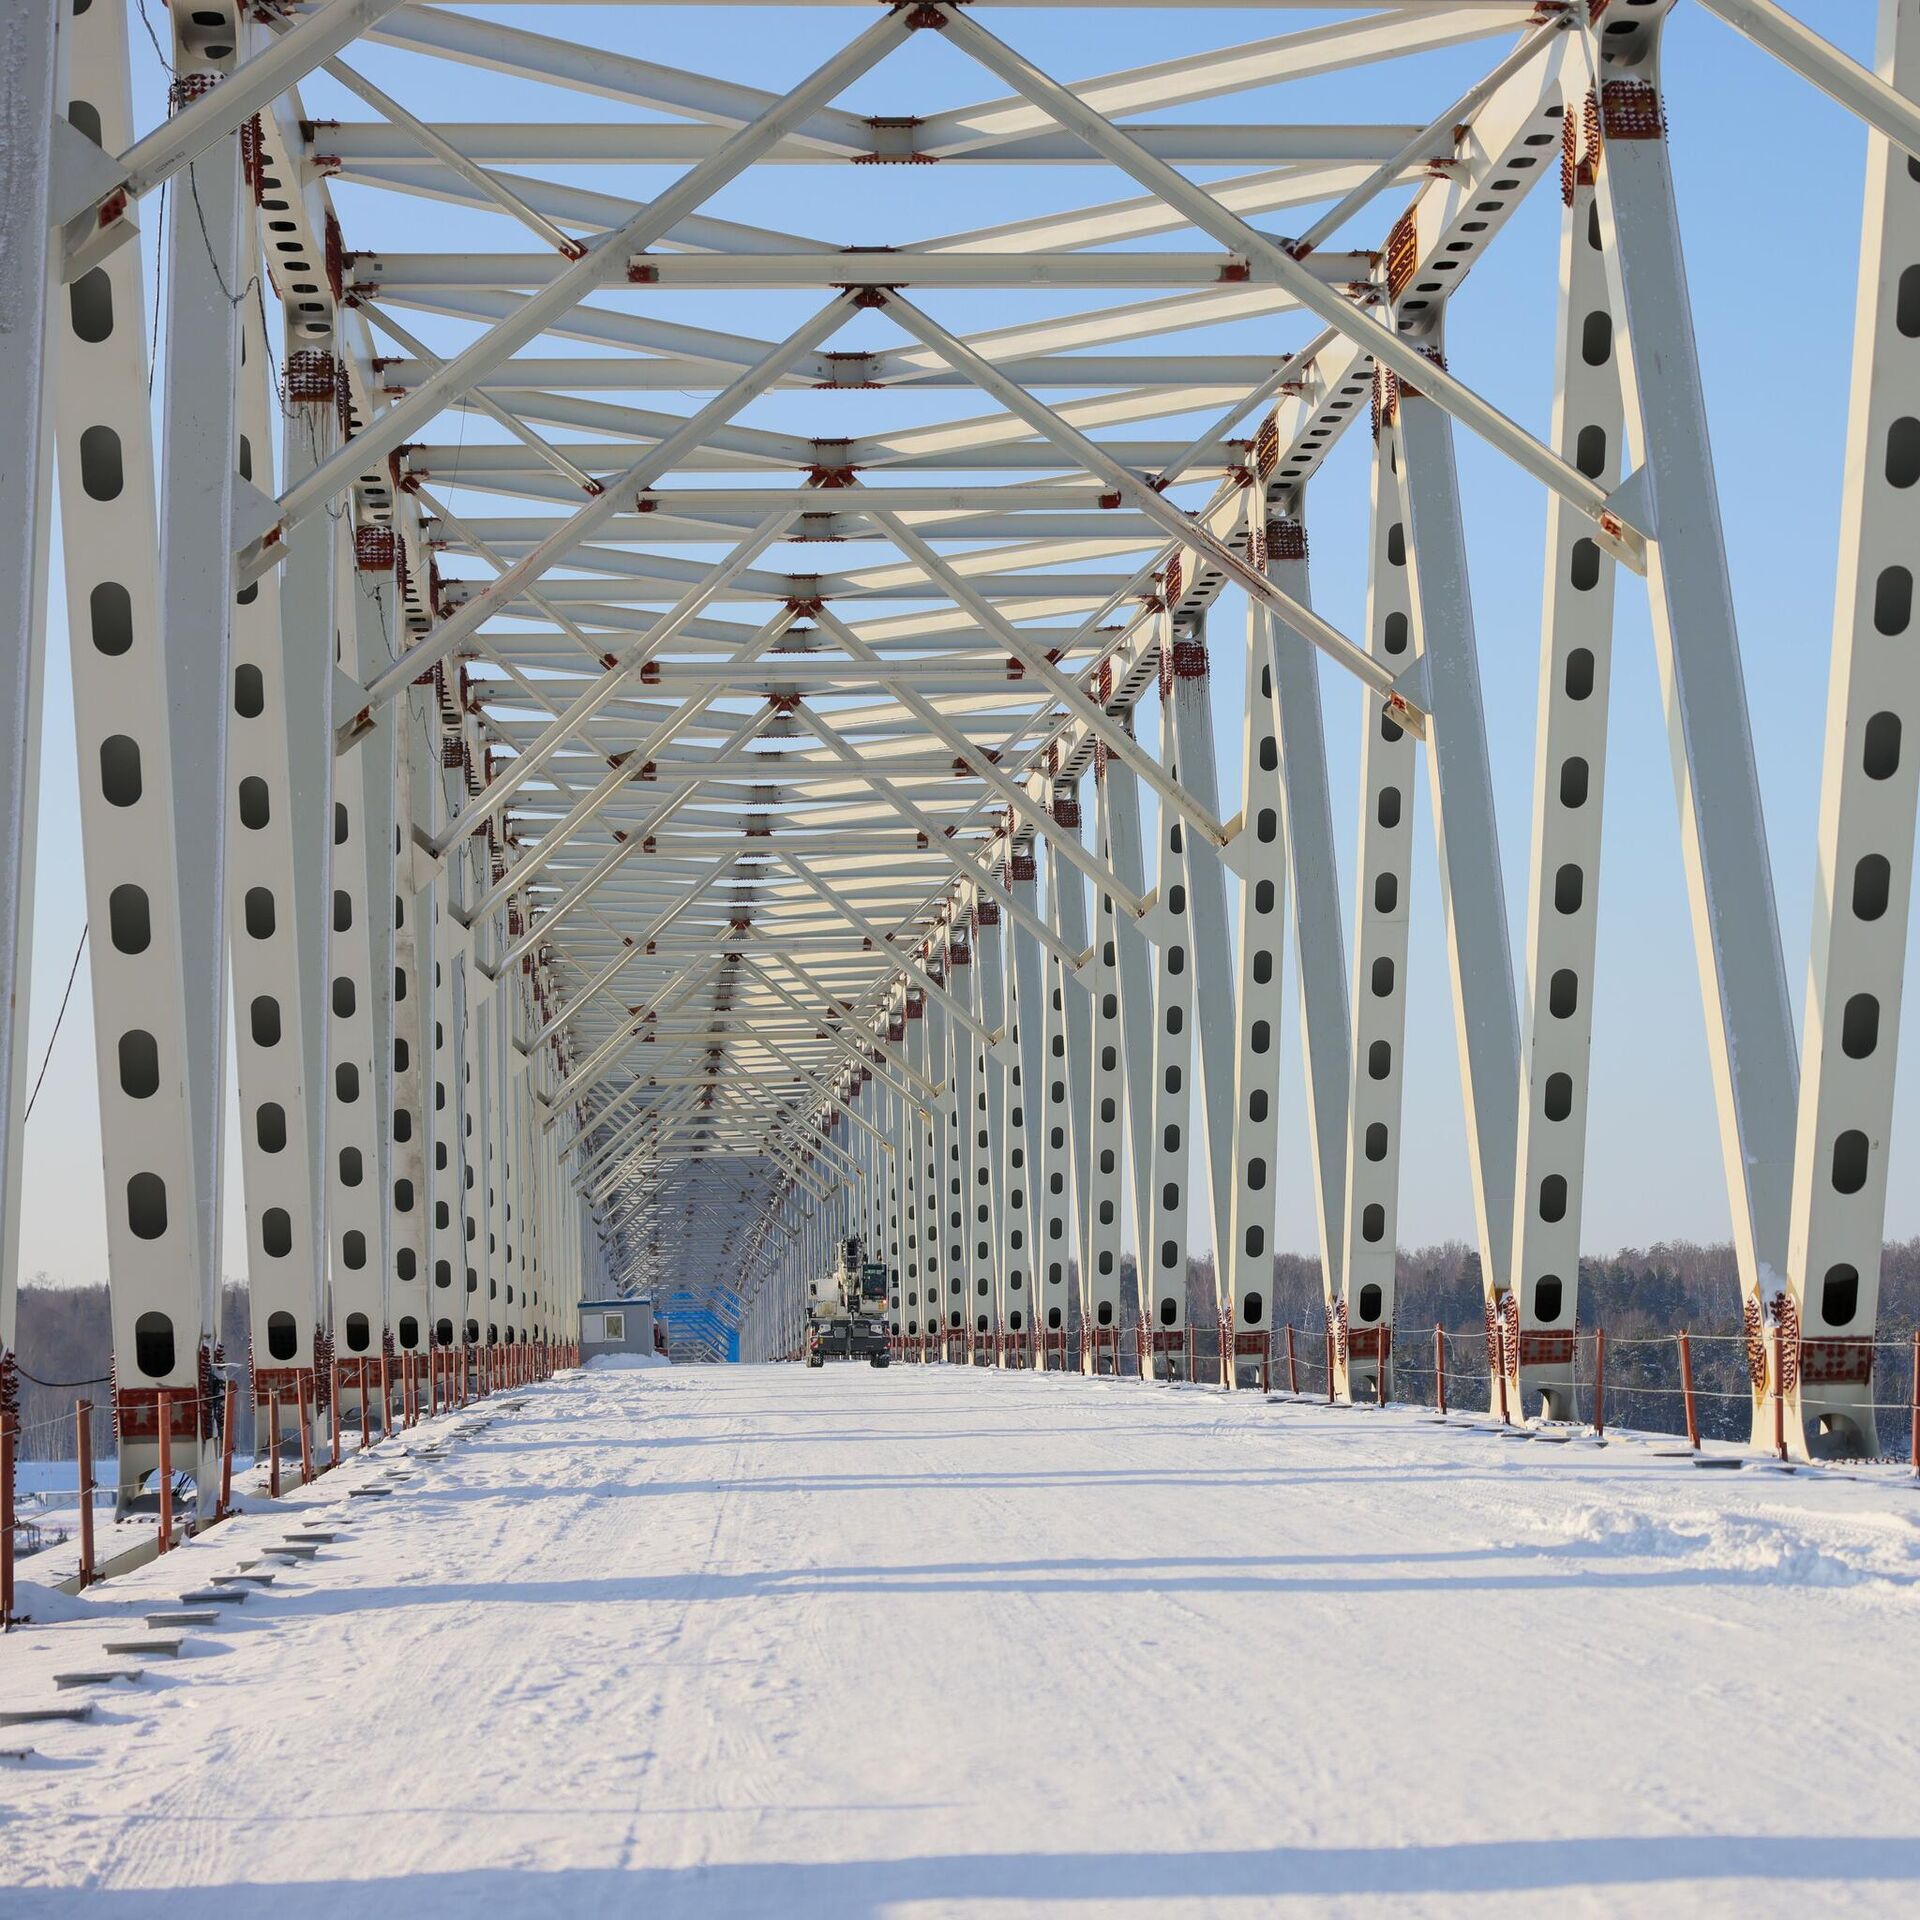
(847, 1310)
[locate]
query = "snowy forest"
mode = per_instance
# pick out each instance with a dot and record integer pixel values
(1641, 1296)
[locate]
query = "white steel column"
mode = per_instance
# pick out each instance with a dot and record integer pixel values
(1168, 1093)
(280, 1106)
(409, 1189)
(970, 1212)
(902, 1189)
(1103, 1195)
(1189, 715)
(484, 1163)
(1026, 1158)
(1569, 785)
(439, 939)
(1067, 1075)
(1868, 785)
(923, 1128)
(1124, 850)
(944, 1047)
(205, 288)
(356, 1058)
(32, 47)
(1245, 1256)
(1750, 1042)
(1365, 1280)
(310, 643)
(987, 1218)
(160, 1282)
(1306, 832)
(1460, 785)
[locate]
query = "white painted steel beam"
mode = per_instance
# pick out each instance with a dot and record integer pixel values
(36, 62)
(1569, 789)
(1866, 827)
(1749, 1022)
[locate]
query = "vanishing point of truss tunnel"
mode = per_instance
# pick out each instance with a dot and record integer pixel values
(635, 706)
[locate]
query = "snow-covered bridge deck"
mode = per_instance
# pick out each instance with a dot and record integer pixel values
(764, 1641)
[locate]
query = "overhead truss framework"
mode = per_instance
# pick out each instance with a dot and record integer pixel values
(650, 714)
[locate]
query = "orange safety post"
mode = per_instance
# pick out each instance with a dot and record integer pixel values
(1780, 1392)
(1440, 1369)
(306, 1431)
(83, 1452)
(1381, 1359)
(1599, 1383)
(386, 1395)
(366, 1414)
(6, 1520)
(273, 1444)
(1915, 1397)
(166, 1469)
(1293, 1363)
(1686, 1390)
(229, 1410)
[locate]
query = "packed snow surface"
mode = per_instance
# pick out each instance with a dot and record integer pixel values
(771, 1641)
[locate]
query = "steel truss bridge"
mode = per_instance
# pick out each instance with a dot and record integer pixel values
(643, 838)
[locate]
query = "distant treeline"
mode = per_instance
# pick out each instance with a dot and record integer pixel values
(1640, 1294)
(66, 1350)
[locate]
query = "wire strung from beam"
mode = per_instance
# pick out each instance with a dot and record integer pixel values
(46, 1057)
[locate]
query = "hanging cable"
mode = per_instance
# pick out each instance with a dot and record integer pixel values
(72, 972)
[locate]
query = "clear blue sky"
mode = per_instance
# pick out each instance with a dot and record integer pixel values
(1769, 175)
